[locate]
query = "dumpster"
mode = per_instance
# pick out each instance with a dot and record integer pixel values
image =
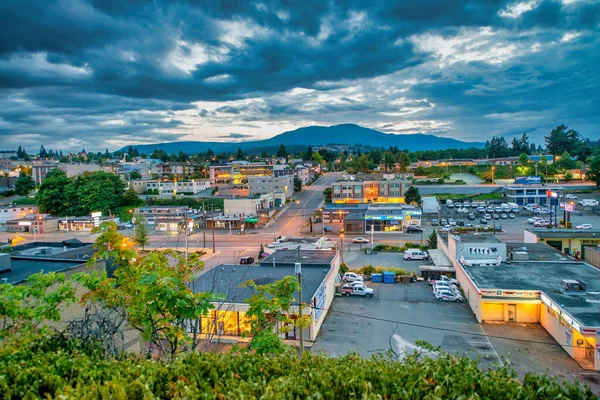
(376, 278)
(389, 277)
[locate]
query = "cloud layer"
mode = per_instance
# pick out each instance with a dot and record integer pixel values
(100, 73)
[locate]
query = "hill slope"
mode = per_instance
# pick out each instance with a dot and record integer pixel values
(320, 135)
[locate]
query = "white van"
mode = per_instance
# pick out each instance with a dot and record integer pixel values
(588, 202)
(415, 254)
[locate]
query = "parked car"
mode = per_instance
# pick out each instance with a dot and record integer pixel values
(451, 222)
(514, 210)
(352, 277)
(483, 221)
(458, 204)
(444, 222)
(446, 228)
(434, 222)
(247, 260)
(438, 285)
(460, 222)
(584, 226)
(541, 222)
(327, 228)
(413, 229)
(471, 217)
(542, 211)
(481, 209)
(449, 296)
(355, 284)
(128, 226)
(533, 219)
(498, 228)
(504, 216)
(357, 291)
(588, 202)
(489, 209)
(571, 196)
(443, 278)
(473, 204)
(511, 216)
(415, 254)
(360, 240)
(496, 216)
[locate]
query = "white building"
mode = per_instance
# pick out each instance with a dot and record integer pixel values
(271, 184)
(249, 206)
(16, 212)
(160, 187)
(78, 169)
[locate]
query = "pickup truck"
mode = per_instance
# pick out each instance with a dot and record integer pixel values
(357, 291)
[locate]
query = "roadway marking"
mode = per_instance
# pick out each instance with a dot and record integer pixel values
(491, 346)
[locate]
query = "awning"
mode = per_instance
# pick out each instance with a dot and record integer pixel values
(251, 220)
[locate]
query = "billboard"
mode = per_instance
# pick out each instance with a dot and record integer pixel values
(528, 180)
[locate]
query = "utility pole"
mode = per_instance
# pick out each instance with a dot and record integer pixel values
(185, 226)
(204, 223)
(493, 163)
(298, 268)
(342, 246)
(213, 228)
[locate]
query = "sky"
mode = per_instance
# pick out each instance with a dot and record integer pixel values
(103, 73)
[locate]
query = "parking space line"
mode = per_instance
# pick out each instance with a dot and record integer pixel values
(340, 335)
(491, 345)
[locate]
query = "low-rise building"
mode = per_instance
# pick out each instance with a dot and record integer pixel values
(530, 283)
(381, 218)
(320, 272)
(271, 184)
(77, 169)
(16, 212)
(83, 223)
(250, 206)
(238, 172)
(176, 169)
(40, 223)
(531, 194)
(166, 187)
(353, 189)
(171, 218)
(39, 172)
(573, 242)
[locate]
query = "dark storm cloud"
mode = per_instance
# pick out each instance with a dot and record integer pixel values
(104, 71)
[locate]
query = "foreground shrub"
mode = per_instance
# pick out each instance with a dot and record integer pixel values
(40, 369)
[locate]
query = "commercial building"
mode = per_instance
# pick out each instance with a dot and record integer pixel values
(358, 218)
(320, 272)
(530, 283)
(171, 218)
(16, 212)
(570, 241)
(84, 223)
(28, 259)
(351, 189)
(250, 206)
(531, 193)
(238, 172)
(271, 184)
(39, 223)
(166, 187)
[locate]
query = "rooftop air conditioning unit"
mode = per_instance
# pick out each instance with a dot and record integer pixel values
(572, 285)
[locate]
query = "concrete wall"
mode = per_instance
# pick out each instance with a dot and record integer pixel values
(559, 332)
(592, 256)
(529, 237)
(330, 294)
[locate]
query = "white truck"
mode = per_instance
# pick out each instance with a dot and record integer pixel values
(588, 202)
(357, 291)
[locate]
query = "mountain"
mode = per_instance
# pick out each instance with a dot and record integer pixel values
(318, 135)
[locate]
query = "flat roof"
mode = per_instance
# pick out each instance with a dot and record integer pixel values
(438, 258)
(538, 251)
(565, 233)
(308, 257)
(546, 277)
(479, 238)
(21, 269)
(227, 279)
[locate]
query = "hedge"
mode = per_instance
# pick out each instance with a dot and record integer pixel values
(36, 370)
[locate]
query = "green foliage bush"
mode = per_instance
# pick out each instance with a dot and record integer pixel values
(37, 368)
(369, 270)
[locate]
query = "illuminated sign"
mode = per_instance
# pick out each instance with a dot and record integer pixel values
(528, 180)
(25, 223)
(552, 194)
(97, 214)
(567, 207)
(385, 218)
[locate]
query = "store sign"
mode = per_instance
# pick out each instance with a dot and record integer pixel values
(96, 217)
(510, 293)
(25, 223)
(566, 317)
(567, 207)
(319, 300)
(528, 180)
(384, 218)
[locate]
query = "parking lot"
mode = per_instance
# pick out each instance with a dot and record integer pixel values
(401, 314)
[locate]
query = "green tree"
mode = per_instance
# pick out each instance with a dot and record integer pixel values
(135, 175)
(412, 196)
(131, 198)
(282, 152)
(432, 240)
(561, 139)
(153, 289)
(24, 185)
(363, 163)
(498, 147)
(594, 170)
(317, 158)
(140, 234)
(270, 314)
(51, 196)
(568, 176)
(95, 191)
(524, 163)
(25, 307)
(297, 184)
(240, 154)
